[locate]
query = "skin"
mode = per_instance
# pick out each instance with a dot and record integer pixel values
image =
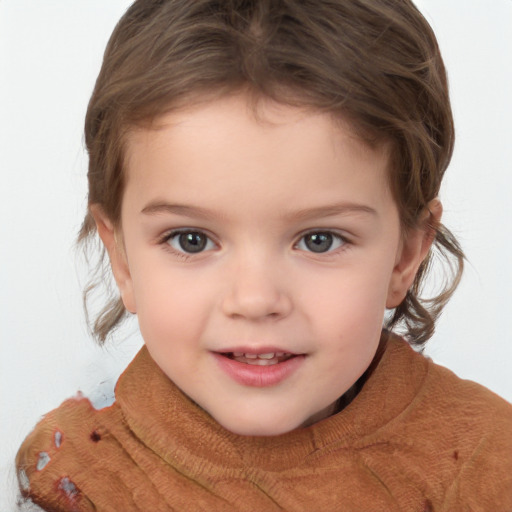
(255, 185)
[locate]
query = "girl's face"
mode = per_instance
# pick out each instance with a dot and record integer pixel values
(259, 253)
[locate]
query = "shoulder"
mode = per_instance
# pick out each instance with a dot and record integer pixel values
(61, 446)
(83, 459)
(453, 407)
(479, 424)
(441, 394)
(475, 411)
(459, 428)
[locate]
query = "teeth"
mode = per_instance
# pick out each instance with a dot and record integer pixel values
(267, 359)
(257, 361)
(265, 362)
(269, 355)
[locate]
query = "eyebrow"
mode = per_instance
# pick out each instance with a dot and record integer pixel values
(299, 215)
(177, 209)
(331, 211)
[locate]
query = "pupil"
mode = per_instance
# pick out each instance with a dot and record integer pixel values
(192, 242)
(319, 242)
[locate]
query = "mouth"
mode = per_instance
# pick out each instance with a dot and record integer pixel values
(264, 359)
(259, 369)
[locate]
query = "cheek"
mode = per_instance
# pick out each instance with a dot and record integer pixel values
(166, 302)
(350, 316)
(353, 293)
(175, 303)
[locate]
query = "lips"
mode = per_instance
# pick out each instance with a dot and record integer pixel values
(264, 359)
(258, 369)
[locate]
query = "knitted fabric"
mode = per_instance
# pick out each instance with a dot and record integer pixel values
(416, 438)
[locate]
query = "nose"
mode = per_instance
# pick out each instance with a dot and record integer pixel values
(256, 291)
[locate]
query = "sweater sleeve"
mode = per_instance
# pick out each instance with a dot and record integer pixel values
(44, 474)
(73, 462)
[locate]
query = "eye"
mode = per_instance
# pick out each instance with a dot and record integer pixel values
(320, 241)
(191, 242)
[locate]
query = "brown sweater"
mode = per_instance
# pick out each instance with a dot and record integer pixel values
(416, 438)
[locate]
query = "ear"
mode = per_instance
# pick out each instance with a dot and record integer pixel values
(115, 249)
(413, 251)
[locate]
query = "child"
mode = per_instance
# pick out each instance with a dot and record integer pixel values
(264, 177)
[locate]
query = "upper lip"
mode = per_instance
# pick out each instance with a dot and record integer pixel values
(264, 349)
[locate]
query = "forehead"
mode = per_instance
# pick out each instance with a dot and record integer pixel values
(243, 147)
(252, 112)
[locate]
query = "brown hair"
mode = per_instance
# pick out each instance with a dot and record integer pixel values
(373, 62)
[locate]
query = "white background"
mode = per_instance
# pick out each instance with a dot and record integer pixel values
(50, 53)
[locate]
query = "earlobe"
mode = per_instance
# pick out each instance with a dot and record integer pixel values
(117, 256)
(413, 251)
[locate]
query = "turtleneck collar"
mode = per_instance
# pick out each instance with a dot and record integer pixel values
(187, 437)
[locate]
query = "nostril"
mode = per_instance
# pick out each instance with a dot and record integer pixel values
(256, 307)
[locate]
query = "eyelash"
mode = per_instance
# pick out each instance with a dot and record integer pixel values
(336, 238)
(342, 242)
(169, 236)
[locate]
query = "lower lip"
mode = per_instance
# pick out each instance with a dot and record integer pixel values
(258, 376)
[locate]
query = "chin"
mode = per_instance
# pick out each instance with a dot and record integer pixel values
(253, 427)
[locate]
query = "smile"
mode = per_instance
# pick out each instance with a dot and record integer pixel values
(259, 369)
(267, 359)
